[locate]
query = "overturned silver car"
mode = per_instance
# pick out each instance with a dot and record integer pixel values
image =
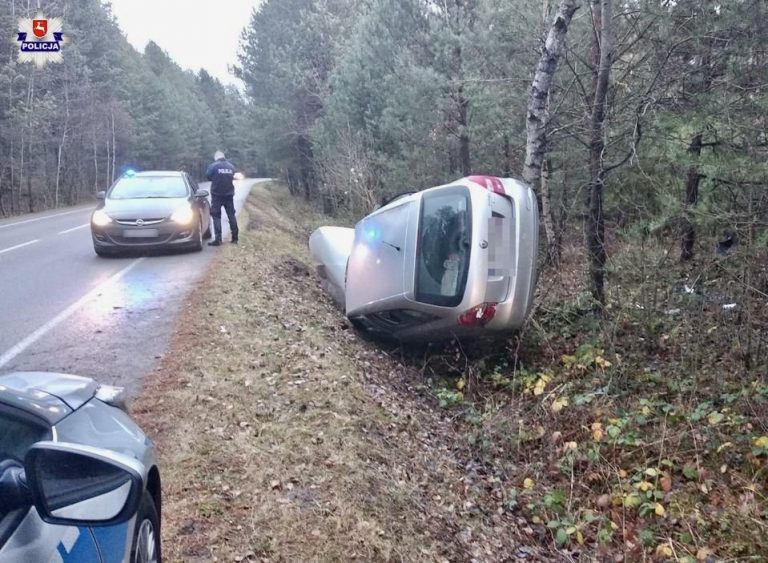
(451, 261)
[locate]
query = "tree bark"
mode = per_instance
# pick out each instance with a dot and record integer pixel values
(464, 150)
(306, 166)
(595, 224)
(61, 146)
(537, 117)
(692, 179)
(112, 116)
(95, 166)
(554, 237)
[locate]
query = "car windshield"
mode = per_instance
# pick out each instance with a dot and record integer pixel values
(138, 187)
(442, 256)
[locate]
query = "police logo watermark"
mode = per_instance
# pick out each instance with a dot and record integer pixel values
(40, 40)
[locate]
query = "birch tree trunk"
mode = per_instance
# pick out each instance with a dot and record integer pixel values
(538, 117)
(112, 117)
(95, 166)
(61, 146)
(595, 224)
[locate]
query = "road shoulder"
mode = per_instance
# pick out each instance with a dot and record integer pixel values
(285, 437)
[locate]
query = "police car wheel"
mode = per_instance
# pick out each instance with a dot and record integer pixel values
(146, 536)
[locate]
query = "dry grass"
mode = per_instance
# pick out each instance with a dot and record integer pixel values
(283, 437)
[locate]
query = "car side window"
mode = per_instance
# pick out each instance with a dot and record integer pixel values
(17, 433)
(192, 183)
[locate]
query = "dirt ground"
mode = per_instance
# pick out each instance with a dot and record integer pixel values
(285, 437)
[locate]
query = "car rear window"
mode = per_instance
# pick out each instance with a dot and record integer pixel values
(443, 247)
(148, 186)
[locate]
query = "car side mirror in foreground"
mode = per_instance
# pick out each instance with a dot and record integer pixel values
(101, 195)
(76, 485)
(201, 193)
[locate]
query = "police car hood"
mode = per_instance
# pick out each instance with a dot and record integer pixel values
(51, 396)
(143, 208)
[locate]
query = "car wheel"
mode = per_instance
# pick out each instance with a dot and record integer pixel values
(198, 245)
(146, 536)
(207, 234)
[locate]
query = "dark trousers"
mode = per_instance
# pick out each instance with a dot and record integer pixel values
(227, 202)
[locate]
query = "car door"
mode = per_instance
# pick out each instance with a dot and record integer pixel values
(202, 203)
(23, 534)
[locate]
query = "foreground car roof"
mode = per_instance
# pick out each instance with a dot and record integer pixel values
(50, 396)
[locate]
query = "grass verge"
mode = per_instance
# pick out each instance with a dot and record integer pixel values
(641, 435)
(284, 437)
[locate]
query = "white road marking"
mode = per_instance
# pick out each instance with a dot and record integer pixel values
(73, 229)
(41, 218)
(19, 245)
(64, 315)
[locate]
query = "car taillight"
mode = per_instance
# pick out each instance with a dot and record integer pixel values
(491, 183)
(478, 316)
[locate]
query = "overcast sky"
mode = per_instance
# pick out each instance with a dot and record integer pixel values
(196, 34)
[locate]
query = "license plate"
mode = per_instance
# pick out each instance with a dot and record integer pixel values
(140, 233)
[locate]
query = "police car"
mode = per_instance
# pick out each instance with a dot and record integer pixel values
(79, 480)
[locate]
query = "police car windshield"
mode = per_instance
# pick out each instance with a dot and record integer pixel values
(138, 187)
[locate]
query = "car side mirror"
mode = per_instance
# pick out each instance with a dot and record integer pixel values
(201, 193)
(77, 485)
(101, 195)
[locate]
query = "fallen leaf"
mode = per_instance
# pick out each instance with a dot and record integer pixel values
(528, 483)
(602, 362)
(761, 442)
(559, 404)
(715, 418)
(631, 500)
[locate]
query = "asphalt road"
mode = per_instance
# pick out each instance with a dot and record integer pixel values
(64, 309)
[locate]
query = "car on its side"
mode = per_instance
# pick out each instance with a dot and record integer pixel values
(150, 210)
(79, 480)
(449, 261)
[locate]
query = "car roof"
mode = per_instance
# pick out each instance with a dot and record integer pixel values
(159, 173)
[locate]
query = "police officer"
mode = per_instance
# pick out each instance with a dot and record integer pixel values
(221, 173)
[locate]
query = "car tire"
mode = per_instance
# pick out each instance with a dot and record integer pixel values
(102, 252)
(198, 245)
(146, 536)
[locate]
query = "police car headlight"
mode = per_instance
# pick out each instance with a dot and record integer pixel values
(100, 219)
(183, 215)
